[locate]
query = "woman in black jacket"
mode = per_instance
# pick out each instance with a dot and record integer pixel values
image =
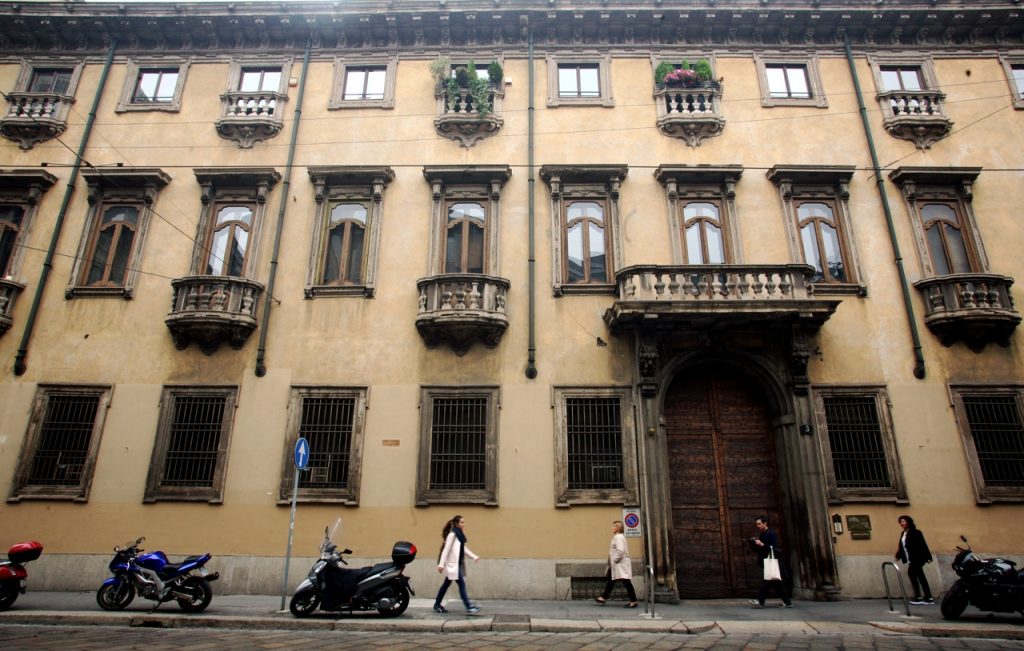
(913, 550)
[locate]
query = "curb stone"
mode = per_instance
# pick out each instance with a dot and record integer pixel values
(565, 626)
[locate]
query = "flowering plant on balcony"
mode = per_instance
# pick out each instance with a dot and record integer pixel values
(684, 75)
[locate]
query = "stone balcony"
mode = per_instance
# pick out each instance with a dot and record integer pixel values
(9, 291)
(210, 310)
(717, 296)
(250, 117)
(690, 114)
(916, 116)
(35, 117)
(460, 120)
(976, 309)
(462, 309)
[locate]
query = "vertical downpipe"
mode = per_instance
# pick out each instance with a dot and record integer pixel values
(261, 368)
(908, 305)
(531, 367)
(19, 359)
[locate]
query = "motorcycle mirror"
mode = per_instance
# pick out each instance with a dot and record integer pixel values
(140, 540)
(963, 538)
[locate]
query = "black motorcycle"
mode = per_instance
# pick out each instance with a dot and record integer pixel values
(992, 584)
(331, 588)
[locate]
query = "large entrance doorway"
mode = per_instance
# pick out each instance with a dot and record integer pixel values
(723, 475)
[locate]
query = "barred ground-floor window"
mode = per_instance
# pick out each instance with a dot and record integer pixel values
(992, 431)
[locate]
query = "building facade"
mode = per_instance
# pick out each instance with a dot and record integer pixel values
(705, 261)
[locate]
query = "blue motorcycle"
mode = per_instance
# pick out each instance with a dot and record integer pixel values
(152, 577)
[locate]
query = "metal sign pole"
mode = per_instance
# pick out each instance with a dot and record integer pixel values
(301, 459)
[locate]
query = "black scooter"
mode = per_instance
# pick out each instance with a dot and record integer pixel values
(331, 588)
(994, 584)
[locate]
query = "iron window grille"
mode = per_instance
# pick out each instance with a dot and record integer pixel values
(60, 447)
(992, 431)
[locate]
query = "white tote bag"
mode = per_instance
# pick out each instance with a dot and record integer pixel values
(772, 571)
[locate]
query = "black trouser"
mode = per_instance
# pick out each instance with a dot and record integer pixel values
(781, 586)
(611, 584)
(918, 581)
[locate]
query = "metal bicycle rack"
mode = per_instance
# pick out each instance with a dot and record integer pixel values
(899, 578)
(649, 601)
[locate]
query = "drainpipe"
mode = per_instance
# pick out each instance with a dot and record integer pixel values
(908, 306)
(261, 368)
(19, 359)
(531, 368)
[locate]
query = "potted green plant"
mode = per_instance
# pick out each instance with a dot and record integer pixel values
(684, 75)
(495, 74)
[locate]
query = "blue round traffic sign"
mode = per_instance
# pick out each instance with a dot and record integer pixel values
(301, 453)
(632, 521)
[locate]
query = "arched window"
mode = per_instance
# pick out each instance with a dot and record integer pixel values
(345, 245)
(229, 241)
(585, 242)
(464, 238)
(819, 236)
(10, 227)
(944, 235)
(703, 234)
(111, 250)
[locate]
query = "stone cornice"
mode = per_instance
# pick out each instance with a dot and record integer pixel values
(415, 26)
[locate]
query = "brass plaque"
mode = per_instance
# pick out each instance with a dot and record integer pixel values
(859, 526)
(390, 443)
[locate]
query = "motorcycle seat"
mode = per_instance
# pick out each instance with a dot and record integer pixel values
(174, 568)
(364, 572)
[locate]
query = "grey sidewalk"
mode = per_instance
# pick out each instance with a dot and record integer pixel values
(730, 616)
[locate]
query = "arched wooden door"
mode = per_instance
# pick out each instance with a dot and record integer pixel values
(723, 475)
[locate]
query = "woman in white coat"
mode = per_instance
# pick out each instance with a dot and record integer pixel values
(620, 566)
(452, 564)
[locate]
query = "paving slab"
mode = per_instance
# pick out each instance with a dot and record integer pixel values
(541, 625)
(638, 625)
(694, 628)
(766, 627)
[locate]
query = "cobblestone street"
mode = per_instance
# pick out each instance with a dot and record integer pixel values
(66, 638)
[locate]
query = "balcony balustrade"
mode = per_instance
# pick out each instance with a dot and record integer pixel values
(690, 114)
(916, 116)
(726, 295)
(210, 310)
(9, 292)
(460, 119)
(974, 308)
(250, 117)
(35, 117)
(461, 309)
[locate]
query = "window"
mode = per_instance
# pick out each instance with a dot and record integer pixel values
(992, 431)
(595, 459)
(343, 258)
(788, 80)
(22, 191)
(910, 99)
(901, 78)
(254, 80)
(332, 420)
(465, 236)
(190, 453)
(115, 225)
(153, 85)
(458, 445)
(815, 202)
(940, 204)
(587, 246)
(1014, 69)
(366, 82)
(60, 447)
(56, 81)
(234, 203)
(1017, 74)
(856, 437)
(701, 212)
(584, 81)
(11, 219)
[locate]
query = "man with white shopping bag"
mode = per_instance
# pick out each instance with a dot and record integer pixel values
(775, 569)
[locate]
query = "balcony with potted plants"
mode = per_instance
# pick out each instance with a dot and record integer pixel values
(689, 99)
(468, 105)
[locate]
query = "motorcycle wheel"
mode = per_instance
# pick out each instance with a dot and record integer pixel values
(400, 605)
(201, 593)
(115, 596)
(955, 601)
(8, 595)
(304, 602)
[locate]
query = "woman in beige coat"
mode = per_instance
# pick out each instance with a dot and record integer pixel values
(620, 566)
(452, 564)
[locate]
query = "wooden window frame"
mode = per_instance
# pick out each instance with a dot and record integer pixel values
(346, 184)
(897, 492)
(488, 496)
(212, 230)
(214, 494)
(809, 61)
(25, 189)
(566, 496)
(464, 254)
(702, 184)
(572, 183)
(349, 495)
(603, 61)
(984, 494)
(952, 186)
(1010, 63)
(340, 74)
(135, 68)
(20, 489)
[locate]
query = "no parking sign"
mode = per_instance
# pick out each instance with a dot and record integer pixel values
(631, 523)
